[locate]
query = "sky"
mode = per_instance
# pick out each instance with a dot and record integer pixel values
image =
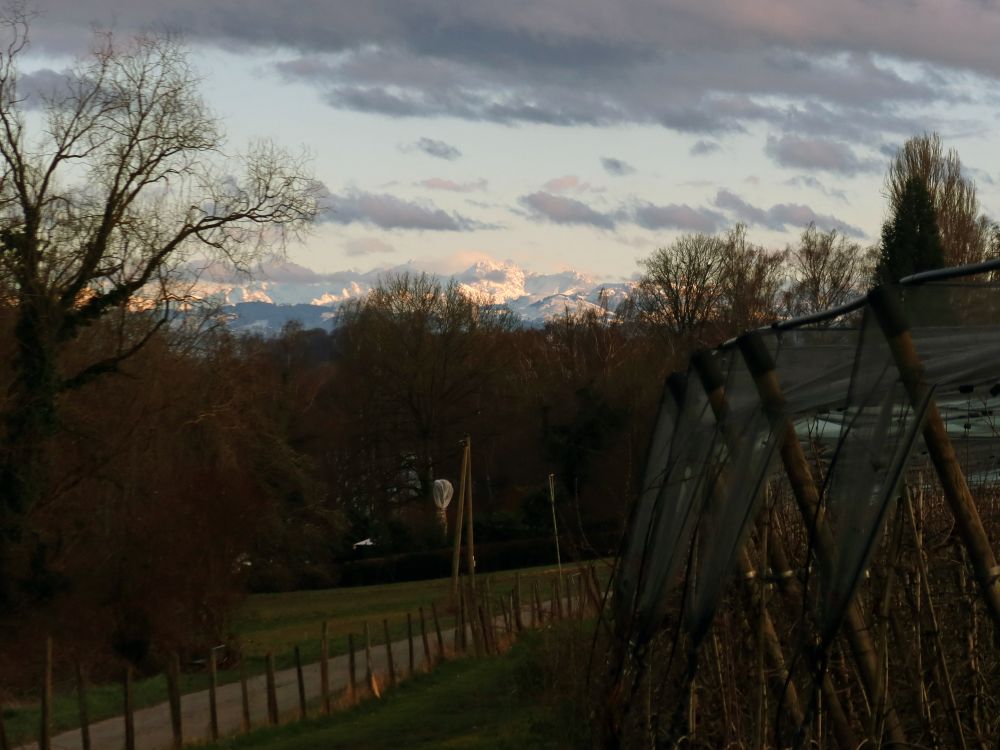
(577, 134)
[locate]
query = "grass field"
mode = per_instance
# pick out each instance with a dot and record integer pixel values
(277, 623)
(469, 704)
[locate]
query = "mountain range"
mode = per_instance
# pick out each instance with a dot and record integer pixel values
(284, 292)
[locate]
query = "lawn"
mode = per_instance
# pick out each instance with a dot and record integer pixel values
(277, 623)
(469, 704)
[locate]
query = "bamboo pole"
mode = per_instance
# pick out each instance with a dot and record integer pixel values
(896, 329)
(761, 367)
(388, 653)
(81, 699)
(324, 667)
(459, 514)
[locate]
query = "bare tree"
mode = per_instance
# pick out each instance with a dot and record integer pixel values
(965, 234)
(751, 282)
(827, 270)
(124, 182)
(680, 292)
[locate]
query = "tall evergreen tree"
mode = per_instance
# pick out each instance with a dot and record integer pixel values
(911, 241)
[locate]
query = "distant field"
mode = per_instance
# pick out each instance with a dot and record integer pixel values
(277, 623)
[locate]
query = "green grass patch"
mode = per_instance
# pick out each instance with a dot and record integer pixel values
(469, 704)
(277, 623)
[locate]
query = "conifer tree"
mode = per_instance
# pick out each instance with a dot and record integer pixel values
(911, 240)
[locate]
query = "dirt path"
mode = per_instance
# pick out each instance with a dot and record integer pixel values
(152, 725)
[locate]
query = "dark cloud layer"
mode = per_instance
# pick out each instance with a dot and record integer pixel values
(711, 67)
(781, 216)
(390, 212)
(559, 209)
(818, 153)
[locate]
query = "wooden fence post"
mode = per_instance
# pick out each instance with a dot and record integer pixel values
(369, 672)
(423, 637)
(459, 513)
(272, 692)
(213, 684)
(437, 628)
(45, 730)
(244, 697)
(518, 618)
(460, 642)
(388, 653)
(174, 696)
(300, 680)
(352, 670)
(409, 639)
(536, 609)
(324, 668)
(81, 699)
(129, 711)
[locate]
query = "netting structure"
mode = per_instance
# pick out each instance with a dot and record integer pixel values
(776, 464)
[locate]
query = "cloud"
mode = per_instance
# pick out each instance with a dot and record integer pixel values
(676, 216)
(818, 153)
(616, 167)
(570, 184)
(437, 149)
(561, 210)
(852, 70)
(439, 183)
(808, 181)
(368, 246)
(703, 148)
(389, 212)
(781, 215)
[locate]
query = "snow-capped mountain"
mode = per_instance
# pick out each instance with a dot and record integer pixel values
(288, 291)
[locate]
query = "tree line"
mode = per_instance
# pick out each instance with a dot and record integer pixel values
(153, 465)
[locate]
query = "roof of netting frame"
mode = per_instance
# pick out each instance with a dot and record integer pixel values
(709, 462)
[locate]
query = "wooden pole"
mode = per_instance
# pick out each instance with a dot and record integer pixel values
(555, 527)
(388, 653)
(352, 670)
(896, 329)
(129, 711)
(437, 628)
(45, 730)
(518, 616)
(174, 696)
(460, 642)
(324, 667)
(409, 639)
(272, 692)
(537, 617)
(213, 685)
(470, 546)
(300, 680)
(456, 556)
(81, 700)
(369, 672)
(761, 367)
(423, 637)
(244, 698)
